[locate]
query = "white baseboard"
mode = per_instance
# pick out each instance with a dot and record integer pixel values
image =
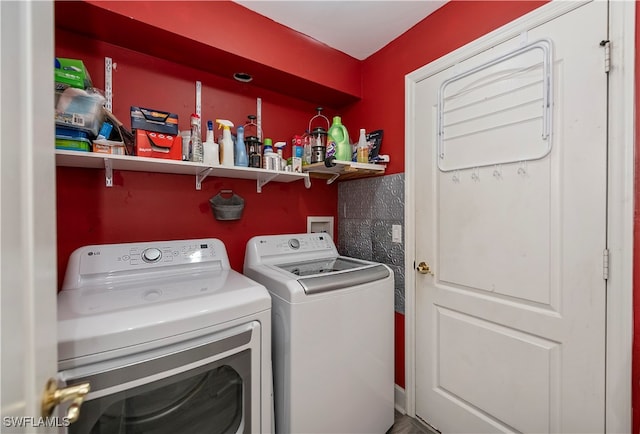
(400, 399)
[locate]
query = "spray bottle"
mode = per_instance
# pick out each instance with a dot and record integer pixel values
(211, 153)
(226, 144)
(196, 141)
(241, 150)
(279, 150)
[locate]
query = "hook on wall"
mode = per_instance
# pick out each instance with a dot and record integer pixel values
(522, 170)
(475, 174)
(497, 171)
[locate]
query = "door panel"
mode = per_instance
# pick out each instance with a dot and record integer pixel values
(527, 363)
(510, 327)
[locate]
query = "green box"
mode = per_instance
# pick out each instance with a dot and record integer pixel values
(72, 72)
(77, 144)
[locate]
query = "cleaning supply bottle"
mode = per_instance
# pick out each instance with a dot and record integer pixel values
(280, 151)
(363, 148)
(338, 141)
(211, 152)
(268, 145)
(270, 158)
(196, 140)
(306, 148)
(241, 150)
(226, 144)
(280, 148)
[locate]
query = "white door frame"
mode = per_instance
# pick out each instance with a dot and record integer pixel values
(27, 212)
(620, 204)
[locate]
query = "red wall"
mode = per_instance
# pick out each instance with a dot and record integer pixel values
(152, 206)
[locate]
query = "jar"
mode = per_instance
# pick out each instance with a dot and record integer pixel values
(252, 141)
(255, 151)
(318, 138)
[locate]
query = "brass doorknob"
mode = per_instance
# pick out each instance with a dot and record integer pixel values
(54, 396)
(423, 268)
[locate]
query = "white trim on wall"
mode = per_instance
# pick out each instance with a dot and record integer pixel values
(620, 216)
(400, 399)
(620, 198)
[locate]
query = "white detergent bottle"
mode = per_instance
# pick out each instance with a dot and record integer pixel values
(226, 144)
(211, 151)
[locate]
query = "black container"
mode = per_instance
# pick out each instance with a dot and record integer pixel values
(255, 151)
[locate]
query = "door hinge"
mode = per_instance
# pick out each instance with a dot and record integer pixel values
(605, 264)
(607, 54)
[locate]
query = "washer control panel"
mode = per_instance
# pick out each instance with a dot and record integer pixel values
(291, 244)
(135, 257)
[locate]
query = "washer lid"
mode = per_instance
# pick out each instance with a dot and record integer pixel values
(101, 318)
(321, 266)
(331, 274)
(349, 279)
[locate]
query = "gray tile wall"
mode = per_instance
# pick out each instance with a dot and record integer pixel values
(366, 210)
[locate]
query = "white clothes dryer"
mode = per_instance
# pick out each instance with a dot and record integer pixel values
(169, 337)
(333, 352)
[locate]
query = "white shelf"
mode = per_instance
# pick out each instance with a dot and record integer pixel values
(199, 171)
(343, 170)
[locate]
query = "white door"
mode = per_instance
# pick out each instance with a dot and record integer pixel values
(510, 321)
(27, 213)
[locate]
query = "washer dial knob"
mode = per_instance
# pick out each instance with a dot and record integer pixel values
(151, 255)
(294, 243)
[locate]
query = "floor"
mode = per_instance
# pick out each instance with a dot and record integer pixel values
(407, 425)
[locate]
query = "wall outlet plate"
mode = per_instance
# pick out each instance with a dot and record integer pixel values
(396, 233)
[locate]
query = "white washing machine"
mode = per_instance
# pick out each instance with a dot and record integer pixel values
(333, 362)
(170, 339)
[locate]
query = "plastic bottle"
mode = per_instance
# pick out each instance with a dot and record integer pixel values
(338, 141)
(363, 148)
(241, 150)
(226, 144)
(197, 149)
(186, 144)
(268, 145)
(280, 151)
(296, 146)
(306, 148)
(268, 161)
(211, 151)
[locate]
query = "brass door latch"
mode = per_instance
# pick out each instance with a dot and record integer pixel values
(54, 396)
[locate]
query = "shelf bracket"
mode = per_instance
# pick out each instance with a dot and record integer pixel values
(108, 173)
(307, 182)
(333, 178)
(262, 181)
(201, 176)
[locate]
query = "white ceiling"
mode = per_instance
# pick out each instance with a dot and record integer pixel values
(358, 28)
